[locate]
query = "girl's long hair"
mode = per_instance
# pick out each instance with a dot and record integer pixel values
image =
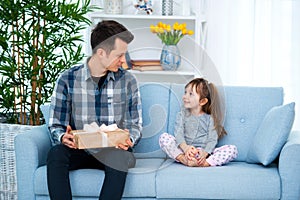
(213, 106)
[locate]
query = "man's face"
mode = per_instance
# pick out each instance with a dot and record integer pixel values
(117, 56)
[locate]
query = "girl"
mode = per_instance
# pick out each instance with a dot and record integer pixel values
(198, 128)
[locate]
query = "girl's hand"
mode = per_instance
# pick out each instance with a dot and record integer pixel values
(190, 152)
(201, 158)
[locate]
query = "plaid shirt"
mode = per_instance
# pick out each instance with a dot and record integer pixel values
(77, 100)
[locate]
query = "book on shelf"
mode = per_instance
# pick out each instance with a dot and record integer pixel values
(147, 68)
(146, 65)
(145, 62)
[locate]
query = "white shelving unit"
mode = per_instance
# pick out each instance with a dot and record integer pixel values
(179, 76)
(147, 45)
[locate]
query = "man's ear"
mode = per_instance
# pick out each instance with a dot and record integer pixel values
(101, 52)
(203, 101)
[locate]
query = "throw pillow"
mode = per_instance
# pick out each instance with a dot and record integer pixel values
(272, 134)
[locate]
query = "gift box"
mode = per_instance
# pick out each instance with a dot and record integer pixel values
(87, 140)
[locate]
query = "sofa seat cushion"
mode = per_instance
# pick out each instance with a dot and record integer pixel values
(88, 182)
(234, 180)
(140, 180)
(40, 197)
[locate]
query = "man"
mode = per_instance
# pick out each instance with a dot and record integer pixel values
(97, 91)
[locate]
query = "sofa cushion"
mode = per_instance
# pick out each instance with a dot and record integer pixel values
(140, 180)
(236, 180)
(272, 134)
(155, 108)
(245, 109)
(176, 93)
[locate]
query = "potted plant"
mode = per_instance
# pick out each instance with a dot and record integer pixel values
(38, 40)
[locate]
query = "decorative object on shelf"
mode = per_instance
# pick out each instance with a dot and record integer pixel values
(170, 58)
(144, 6)
(167, 7)
(113, 6)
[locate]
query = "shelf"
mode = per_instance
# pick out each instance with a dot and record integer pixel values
(179, 76)
(146, 45)
(195, 21)
(169, 73)
(126, 16)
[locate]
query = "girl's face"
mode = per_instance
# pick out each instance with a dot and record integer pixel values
(191, 99)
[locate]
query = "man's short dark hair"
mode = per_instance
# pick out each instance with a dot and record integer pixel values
(105, 33)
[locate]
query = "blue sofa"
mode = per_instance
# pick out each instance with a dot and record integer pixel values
(267, 166)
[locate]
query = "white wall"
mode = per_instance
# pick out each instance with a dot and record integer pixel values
(257, 43)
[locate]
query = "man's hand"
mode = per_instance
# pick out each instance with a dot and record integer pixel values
(127, 145)
(68, 138)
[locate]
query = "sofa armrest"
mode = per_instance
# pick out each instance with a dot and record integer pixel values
(289, 167)
(31, 148)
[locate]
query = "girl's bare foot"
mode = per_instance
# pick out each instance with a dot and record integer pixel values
(181, 158)
(204, 164)
(193, 163)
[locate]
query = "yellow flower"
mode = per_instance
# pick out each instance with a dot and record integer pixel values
(168, 28)
(160, 24)
(190, 32)
(170, 35)
(175, 26)
(161, 30)
(152, 28)
(180, 27)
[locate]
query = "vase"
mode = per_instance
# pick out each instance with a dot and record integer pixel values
(113, 6)
(170, 58)
(167, 7)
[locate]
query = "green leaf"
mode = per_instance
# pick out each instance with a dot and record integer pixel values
(39, 33)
